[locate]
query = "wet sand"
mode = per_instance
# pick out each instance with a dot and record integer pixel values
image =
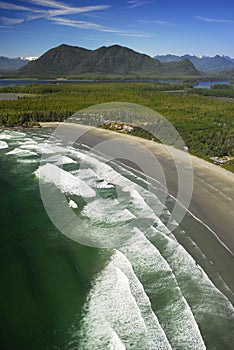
(212, 199)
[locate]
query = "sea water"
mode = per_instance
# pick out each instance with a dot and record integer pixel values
(150, 292)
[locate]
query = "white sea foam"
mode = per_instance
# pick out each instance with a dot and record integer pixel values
(3, 144)
(132, 323)
(4, 136)
(116, 343)
(182, 328)
(13, 136)
(100, 170)
(157, 277)
(18, 134)
(27, 141)
(133, 200)
(60, 160)
(87, 175)
(104, 184)
(144, 255)
(65, 181)
(138, 205)
(45, 148)
(108, 211)
(21, 152)
(103, 324)
(37, 138)
(118, 307)
(73, 204)
(205, 300)
(27, 161)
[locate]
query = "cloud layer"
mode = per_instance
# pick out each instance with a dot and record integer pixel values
(58, 13)
(136, 3)
(45, 9)
(213, 20)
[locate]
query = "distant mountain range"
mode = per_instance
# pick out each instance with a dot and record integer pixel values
(71, 61)
(68, 61)
(205, 63)
(11, 64)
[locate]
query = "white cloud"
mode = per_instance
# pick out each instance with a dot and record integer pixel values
(58, 13)
(214, 20)
(10, 21)
(77, 24)
(55, 8)
(137, 35)
(48, 8)
(7, 6)
(75, 10)
(94, 26)
(153, 21)
(48, 3)
(136, 3)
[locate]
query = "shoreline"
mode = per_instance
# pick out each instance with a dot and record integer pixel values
(213, 192)
(210, 212)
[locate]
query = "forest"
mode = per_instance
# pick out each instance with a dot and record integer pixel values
(204, 119)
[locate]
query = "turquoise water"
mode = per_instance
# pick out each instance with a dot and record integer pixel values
(55, 293)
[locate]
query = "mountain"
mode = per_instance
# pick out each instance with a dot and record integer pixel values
(167, 58)
(229, 58)
(205, 63)
(226, 75)
(182, 67)
(10, 64)
(66, 60)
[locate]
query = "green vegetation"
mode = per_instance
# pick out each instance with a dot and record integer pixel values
(205, 124)
(226, 75)
(205, 63)
(222, 87)
(217, 90)
(71, 61)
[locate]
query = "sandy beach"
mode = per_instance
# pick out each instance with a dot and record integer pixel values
(212, 200)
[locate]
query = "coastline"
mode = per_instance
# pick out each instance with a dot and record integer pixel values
(213, 192)
(211, 209)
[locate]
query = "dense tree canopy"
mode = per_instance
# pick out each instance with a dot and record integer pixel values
(205, 123)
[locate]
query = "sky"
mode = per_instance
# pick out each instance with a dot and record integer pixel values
(154, 27)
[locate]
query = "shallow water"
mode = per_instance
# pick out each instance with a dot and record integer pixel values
(154, 290)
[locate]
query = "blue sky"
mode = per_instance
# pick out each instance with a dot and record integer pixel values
(201, 27)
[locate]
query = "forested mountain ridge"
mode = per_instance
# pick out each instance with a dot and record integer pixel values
(66, 60)
(205, 63)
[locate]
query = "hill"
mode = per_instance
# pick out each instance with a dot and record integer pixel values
(205, 63)
(69, 61)
(226, 75)
(11, 64)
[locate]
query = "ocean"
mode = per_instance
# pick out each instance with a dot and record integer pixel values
(119, 278)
